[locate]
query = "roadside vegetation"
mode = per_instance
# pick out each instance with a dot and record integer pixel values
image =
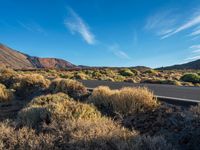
(51, 110)
(171, 77)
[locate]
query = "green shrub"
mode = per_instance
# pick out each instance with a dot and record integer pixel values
(126, 72)
(158, 81)
(150, 71)
(191, 77)
(119, 78)
(107, 72)
(136, 72)
(96, 74)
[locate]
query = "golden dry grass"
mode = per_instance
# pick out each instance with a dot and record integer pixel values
(23, 138)
(5, 94)
(30, 83)
(73, 125)
(8, 77)
(78, 134)
(57, 106)
(34, 79)
(73, 88)
(124, 101)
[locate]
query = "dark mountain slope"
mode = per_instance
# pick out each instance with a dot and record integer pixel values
(191, 65)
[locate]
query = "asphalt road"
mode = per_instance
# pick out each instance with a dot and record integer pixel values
(176, 92)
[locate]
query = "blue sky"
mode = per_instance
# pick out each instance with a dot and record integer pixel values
(152, 33)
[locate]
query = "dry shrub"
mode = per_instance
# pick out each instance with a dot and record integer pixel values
(5, 94)
(78, 134)
(72, 125)
(151, 143)
(24, 138)
(8, 77)
(124, 101)
(196, 110)
(30, 84)
(33, 116)
(81, 75)
(96, 134)
(57, 106)
(73, 88)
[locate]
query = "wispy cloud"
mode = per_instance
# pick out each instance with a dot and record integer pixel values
(77, 25)
(193, 58)
(195, 54)
(162, 22)
(195, 32)
(165, 31)
(32, 26)
(195, 47)
(158, 20)
(196, 51)
(115, 49)
(195, 20)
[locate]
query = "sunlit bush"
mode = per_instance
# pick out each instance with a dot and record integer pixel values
(81, 76)
(73, 88)
(124, 101)
(5, 94)
(57, 106)
(8, 77)
(30, 84)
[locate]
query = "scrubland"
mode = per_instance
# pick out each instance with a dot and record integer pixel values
(49, 110)
(172, 77)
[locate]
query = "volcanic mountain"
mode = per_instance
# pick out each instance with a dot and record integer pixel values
(190, 65)
(14, 59)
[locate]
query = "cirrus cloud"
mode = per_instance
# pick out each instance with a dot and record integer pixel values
(77, 25)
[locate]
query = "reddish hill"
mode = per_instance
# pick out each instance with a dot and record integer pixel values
(16, 60)
(50, 63)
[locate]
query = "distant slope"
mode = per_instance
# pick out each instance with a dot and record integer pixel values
(13, 59)
(191, 65)
(50, 63)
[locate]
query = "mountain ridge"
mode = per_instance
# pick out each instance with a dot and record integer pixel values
(190, 65)
(17, 60)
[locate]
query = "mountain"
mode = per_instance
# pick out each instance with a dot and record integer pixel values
(17, 60)
(190, 65)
